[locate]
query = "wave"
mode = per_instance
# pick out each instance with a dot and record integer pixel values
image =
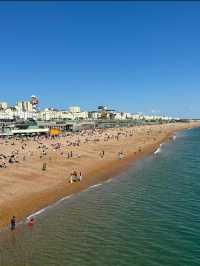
(97, 185)
(37, 213)
(62, 199)
(174, 137)
(56, 203)
(108, 181)
(48, 207)
(159, 149)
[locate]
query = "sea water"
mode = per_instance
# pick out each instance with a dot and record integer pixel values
(149, 215)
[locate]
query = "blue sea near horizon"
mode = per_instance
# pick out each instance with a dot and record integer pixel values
(148, 215)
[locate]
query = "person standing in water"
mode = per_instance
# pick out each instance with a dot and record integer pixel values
(31, 222)
(13, 223)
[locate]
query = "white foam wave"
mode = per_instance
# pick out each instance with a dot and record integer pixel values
(37, 213)
(50, 206)
(62, 199)
(97, 185)
(174, 137)
(159, 149)
(108, 181)
(57, 202)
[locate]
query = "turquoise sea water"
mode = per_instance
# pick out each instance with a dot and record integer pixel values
(148, 215)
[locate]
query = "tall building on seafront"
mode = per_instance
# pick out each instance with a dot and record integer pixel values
(3, 105)
(74, 109)
(24, 106)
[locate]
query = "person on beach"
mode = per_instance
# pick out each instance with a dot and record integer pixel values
(80, 177)
(44, 166)
(101, 154)
(13, 223)
(75, 176)
(120, 155)
(71, 177)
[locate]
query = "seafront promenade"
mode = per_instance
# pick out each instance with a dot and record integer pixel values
(26, 186)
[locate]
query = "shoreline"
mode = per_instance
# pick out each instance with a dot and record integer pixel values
(108, 177)
(36, 202)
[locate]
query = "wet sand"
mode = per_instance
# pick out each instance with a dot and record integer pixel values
(25, 188)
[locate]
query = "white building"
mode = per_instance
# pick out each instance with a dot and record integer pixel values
(94, 115)
(5, 115)
(24, 115)
(3, 105)
(8, 113)
(74, 109)
(117, 116)
(122, 116)
(53, 114)
(137, 116)
(47, 114)
(25, 106)
(80, 115)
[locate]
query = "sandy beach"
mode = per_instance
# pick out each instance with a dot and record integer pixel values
(98, 154)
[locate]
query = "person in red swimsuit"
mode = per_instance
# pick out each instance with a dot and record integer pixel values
(31, 222)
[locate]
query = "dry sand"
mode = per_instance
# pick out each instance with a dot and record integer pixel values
(25, 188)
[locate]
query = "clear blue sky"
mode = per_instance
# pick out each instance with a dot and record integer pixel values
(131, 56)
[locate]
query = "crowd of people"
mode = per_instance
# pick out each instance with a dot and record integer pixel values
(20, 149)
